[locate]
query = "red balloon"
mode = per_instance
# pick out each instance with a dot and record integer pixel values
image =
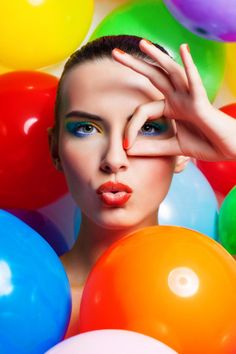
(28, 179)
(221, 174)
(229, 109)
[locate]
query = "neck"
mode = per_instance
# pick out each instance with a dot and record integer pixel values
(93, 240)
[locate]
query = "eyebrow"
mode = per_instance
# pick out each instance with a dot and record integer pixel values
(82, 114)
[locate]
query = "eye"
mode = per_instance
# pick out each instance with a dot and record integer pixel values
(82, 129)
(153, 128)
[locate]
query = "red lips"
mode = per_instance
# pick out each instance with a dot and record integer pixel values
(114, 193)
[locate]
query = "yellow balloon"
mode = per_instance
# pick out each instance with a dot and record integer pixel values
(230, 75)
(37, 33)
(4, 69)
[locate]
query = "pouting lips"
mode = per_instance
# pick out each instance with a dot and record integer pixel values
(114, 193)
(114, 188)
(115, 199)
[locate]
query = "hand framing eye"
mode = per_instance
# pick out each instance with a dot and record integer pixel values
(202, 131)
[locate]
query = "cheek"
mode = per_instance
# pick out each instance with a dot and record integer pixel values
(155, 177)
(77, 163)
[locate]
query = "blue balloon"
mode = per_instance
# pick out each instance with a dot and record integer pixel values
(77, 222)
(44, 226)
(191, 203)
(35, 299)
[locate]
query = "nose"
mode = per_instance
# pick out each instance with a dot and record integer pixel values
(115, 158)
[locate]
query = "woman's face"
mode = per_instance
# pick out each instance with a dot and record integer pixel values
(91, 148)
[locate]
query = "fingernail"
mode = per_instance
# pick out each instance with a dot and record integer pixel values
(125, 143)
(187, 46)
(119, 51)
(147, 41)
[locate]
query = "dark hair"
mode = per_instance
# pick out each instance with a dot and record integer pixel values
(98, 49)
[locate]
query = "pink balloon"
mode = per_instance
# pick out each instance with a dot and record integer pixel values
(111, 341)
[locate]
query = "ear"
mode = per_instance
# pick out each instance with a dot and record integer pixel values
(53, 145)
(181, 163)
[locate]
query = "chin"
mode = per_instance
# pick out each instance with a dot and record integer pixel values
(113, 225)
(119, 219)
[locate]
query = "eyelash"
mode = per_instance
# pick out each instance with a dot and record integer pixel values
(159, 127)
(73, 128)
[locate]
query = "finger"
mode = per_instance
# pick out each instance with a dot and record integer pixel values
(194, 79)
(151, 148)
(176, 72)
(156, 76)
(194, 143)
(148, 111)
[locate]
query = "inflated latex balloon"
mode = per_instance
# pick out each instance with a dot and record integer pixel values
(39, 33)
(230, 74)
(221, 174)
(168, 282)
(210, 19)
(227, 222)
(4, 69)
(229, 109)
(61, 213)
(28, 179)
(152, 20)
(191, 203)
(44, 227)
(111, 341)
(35, 300)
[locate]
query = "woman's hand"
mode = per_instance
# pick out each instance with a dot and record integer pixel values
(202, 131)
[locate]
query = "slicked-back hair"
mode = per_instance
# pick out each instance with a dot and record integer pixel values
(96, 50)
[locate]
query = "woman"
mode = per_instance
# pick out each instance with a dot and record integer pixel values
(121, 134)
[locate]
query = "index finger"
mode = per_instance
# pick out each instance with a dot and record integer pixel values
(154, 74)
(148, 111)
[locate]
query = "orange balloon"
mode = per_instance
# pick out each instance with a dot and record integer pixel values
(168, 282)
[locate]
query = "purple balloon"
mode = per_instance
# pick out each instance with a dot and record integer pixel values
(214, 20)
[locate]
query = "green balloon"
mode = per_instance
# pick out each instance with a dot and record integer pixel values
(151, 19)
(227, 222)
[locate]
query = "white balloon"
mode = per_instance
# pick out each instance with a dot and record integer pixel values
(111, 341)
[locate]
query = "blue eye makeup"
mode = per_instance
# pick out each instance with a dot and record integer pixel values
(82, 129)
(153, 128)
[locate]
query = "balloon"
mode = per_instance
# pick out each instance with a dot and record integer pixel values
(230, 67)
(152, 20)
(111, 341)
(168, 282)
(44, 226)
(227, 222)
(210, 19)
(28, 179)
(229, 109)
(221, 174)
(191, 203)
(77, 221)
(3, 69)
(35, 298)
(39, 33)
(61, 214)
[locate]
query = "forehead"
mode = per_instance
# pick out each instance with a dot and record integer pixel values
(107, 79)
